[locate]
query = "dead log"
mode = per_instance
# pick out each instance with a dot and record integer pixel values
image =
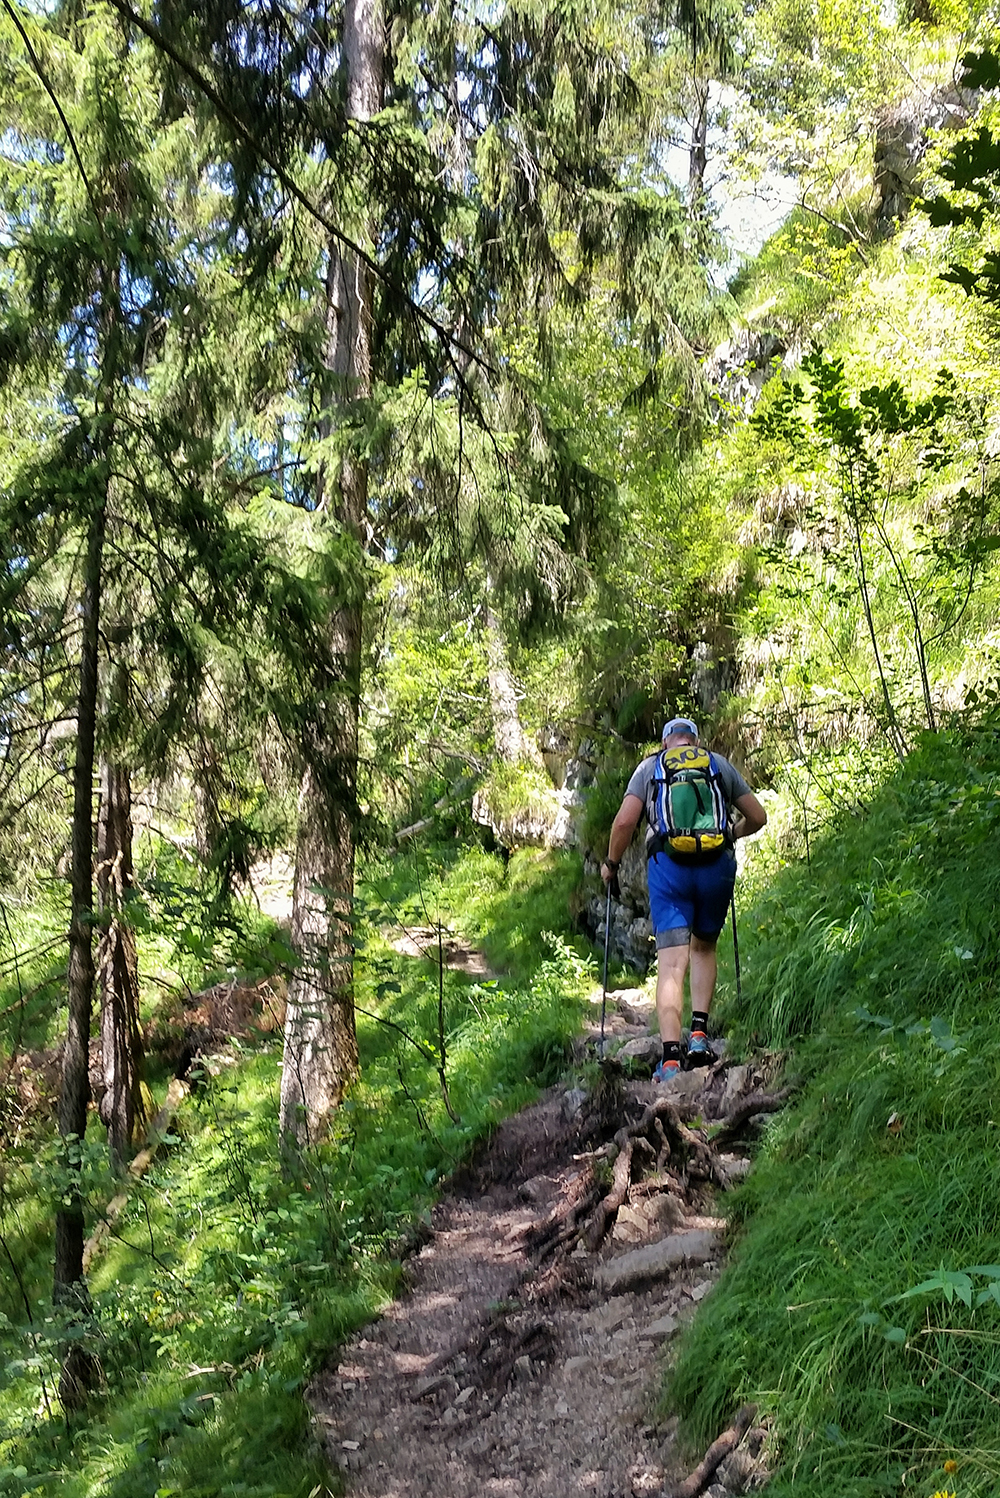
(451, 799)
(719, 1449)
(176, 1093)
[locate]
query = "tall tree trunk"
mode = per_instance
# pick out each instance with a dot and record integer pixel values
(512, 743)
(206, 808)
(79, 1371)
(118, 967)
(698, 149)
(321, 1054)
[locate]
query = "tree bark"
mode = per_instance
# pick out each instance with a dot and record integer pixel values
(512, 743)
(118, 968)
(79, 1369)
(698, 150)
(320, 1053)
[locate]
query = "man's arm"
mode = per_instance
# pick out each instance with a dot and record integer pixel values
(622, 829)
(752, 816)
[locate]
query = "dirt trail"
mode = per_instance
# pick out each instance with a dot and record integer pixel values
(525, 1356)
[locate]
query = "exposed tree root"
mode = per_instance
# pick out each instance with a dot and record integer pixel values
(495, 1364)
(655, 1153)
(563, 1226)
(716, 1453)
(621, 1179)
(661, 1135)
(758, 1102)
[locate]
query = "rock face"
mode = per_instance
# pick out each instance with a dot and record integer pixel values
(654, 1261)
(902, 136)
(552, 824)
(538, 826)
(631, 930)
(739, 369)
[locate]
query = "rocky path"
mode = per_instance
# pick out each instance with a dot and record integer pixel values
(525, 1356)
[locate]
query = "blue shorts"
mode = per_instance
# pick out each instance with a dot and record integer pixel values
(686, 898)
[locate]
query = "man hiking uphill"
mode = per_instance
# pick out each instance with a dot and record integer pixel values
(688, 796)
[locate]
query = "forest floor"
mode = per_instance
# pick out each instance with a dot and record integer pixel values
(526, 1354)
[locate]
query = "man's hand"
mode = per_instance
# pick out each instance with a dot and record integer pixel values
(752, 816)
(622, 828)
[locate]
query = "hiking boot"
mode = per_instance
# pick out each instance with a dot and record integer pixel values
(667, 1073)
(698, 1053)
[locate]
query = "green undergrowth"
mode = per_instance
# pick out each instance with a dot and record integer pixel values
(32, 965)
(225, 1286)
(861, 1304)
(503, 905)
(186, 939)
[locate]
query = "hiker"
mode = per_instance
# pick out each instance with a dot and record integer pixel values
(688, 796)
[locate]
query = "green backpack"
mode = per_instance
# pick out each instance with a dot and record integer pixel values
(686, 806)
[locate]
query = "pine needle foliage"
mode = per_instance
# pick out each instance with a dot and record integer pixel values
(119, 379)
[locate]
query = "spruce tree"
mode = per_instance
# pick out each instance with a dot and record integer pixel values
(140, 557)
(471, 171)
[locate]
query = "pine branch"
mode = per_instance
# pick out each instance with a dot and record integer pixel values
(43, 79)
(449, 342)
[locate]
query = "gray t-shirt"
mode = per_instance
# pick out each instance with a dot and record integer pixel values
(730, 779)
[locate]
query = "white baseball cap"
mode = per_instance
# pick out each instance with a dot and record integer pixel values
(679, 725)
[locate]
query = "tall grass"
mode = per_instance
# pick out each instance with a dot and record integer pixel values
(861, 1304)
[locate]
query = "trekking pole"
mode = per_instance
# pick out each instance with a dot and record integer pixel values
(736, 952)
(607, 946)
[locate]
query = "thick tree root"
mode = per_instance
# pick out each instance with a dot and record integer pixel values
(677, 1156)
(653, 1154)
(716, 1453)
(671, 1140)
(562, 1228)
(734, 1123)
(621, 1179)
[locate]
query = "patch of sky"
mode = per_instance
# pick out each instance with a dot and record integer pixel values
(746, 212)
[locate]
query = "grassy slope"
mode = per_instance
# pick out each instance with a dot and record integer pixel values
(226, 1285)
(876, 966)
(873, 965)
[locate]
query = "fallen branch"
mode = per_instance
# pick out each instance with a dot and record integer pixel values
(719, 1449)
(176, 1093)
(451, 799)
